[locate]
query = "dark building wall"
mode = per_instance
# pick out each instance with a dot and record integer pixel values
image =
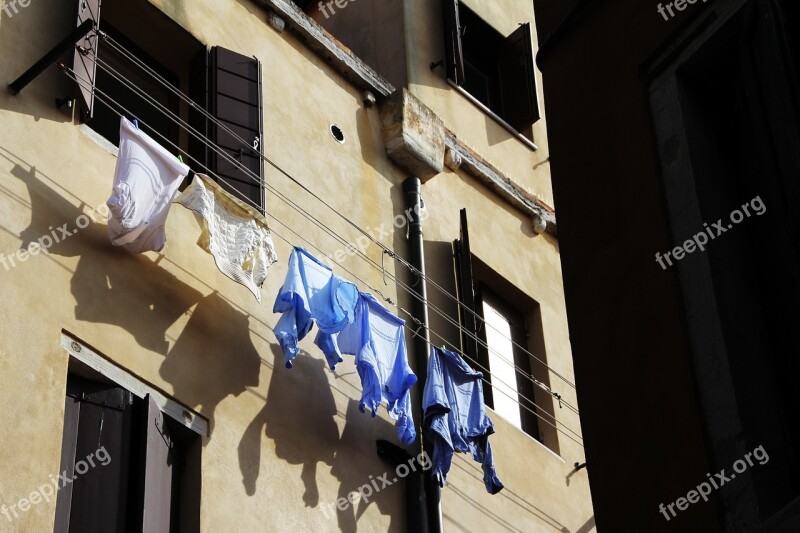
(680, 372)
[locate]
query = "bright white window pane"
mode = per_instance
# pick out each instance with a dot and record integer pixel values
(501, 355)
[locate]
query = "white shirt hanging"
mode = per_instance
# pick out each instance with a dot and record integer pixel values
(146, 180)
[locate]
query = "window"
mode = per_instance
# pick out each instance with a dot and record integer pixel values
(496, 70)
(503, 327)
(506, 324)
(105, 120)
(127, 466)
(224, 83)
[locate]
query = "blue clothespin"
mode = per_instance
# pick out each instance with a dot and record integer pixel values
(135, 123)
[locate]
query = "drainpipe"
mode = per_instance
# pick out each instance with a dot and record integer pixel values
(412, 189)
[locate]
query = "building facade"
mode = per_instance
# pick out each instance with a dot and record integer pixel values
(150, 389)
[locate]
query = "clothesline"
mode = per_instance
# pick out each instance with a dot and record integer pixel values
(325, 228)
(146, 182)
(104, 98)
(131, 57)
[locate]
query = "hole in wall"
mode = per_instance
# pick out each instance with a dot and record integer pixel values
(337, 133)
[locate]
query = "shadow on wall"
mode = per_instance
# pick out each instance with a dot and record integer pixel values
(355, 462)
(25, 37)
(110, 286)
(214, 355)
(298, 416)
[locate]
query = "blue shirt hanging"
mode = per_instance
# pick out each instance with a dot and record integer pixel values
(377, 339)
(311, 292)
(455, 418)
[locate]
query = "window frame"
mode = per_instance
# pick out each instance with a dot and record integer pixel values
(147, 416)
(513, 120)
(203, 159)
(474, 281)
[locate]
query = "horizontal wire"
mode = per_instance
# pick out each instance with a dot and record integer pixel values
(430, 344)
(104, 98)
(187, 127)
(121, 49)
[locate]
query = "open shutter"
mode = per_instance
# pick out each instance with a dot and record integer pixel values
(517, 79)
(84, 65)
(452, 41)
(465, 286)
(158, 464)
(69, 444)
(235, 100)
(97, 419)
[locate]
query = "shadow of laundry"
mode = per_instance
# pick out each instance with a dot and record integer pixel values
(213, 357)
(357, 463)
(110, 285)
(299, 417)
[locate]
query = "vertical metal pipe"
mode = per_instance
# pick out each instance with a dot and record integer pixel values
(413, 190)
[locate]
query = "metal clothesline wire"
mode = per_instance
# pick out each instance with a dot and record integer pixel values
(121, 49)
(106, 99)
(192, 131)
(183, 124)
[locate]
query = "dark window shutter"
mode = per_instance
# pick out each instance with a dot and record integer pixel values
(98, 416)
(465, 285)
(517, 80)
(235, 100)
(69, 443)
(452, 41)
(158, 463)
(84, 65)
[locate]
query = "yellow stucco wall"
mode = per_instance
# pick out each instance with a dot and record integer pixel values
(283, 442)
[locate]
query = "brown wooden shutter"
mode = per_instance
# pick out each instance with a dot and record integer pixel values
(235, 100)
(98, 416)
(69, 443)
(84, 65)
(452, 41)
(517, 79)
(465, 285)
(158, 463)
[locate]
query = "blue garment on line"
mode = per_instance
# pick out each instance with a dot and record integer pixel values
(377, 339)
(455, 418)
(311, 292)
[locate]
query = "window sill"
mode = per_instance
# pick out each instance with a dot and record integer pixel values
(101, 141)
(541, 444)
(508, 127)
